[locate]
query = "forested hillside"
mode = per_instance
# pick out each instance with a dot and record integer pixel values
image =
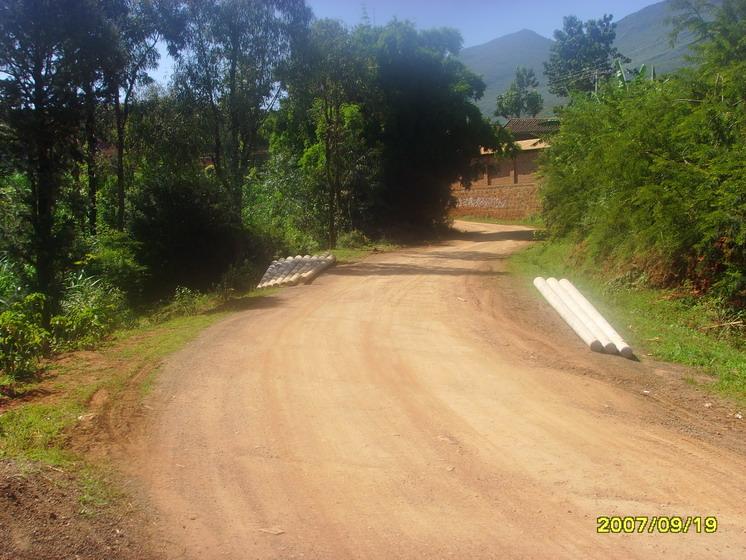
(279, 134)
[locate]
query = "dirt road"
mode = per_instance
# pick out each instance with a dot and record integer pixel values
(415, 405)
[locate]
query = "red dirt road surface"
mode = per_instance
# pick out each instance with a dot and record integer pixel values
(419, 404)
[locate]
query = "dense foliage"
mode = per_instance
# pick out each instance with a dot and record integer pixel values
(650, 174)
(277, 134)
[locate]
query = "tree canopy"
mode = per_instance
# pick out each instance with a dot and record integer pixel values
(521, 98)
(582, 54)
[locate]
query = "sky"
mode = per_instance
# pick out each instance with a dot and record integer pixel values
(478, 21)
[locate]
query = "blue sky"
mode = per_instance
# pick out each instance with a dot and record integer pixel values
(478, 21)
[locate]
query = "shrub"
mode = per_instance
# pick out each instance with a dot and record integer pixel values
(22, 339)
(10, 284)
(187, 231)
(649, 176)
(238, 277)
(91, 309)
(113, 258)
(185, 301)
(353, 239)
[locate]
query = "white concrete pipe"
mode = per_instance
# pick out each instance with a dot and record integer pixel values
(323, 263)
(292, 270)
(570, 318)
(588, 321)
(603, 324)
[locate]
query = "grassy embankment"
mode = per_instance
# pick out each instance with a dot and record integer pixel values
(666, 324)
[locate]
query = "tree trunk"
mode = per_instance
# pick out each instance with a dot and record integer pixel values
(44, 185)
(120, 161)
(43, 215)
(90, 129)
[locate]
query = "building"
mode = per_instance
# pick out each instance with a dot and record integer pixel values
(507, 187)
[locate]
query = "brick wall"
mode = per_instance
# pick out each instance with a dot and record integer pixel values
(496, 193)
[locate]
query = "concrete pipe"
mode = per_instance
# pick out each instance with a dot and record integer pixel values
(588, 321)
(603, 324)
(570, 318)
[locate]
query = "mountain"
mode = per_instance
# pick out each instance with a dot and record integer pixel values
(643, 36)
(497, 60)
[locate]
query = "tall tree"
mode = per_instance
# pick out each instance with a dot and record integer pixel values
(142, 25)
(430, 127)
(233, 49)
(335, 77)
(521, 98)
(45, 51)
(582, 54)
(98, 68)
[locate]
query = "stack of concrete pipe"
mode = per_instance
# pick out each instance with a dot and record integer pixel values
(295, 270)
(582, 317)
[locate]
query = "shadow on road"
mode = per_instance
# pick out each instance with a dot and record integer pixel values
(398, 269)
(485, 236)
(244, 303)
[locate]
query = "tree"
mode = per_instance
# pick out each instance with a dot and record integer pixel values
(429, 127)
(719, 31)
(521, 97)
(47, 49)
(582, 54)
(141, 25)
(338, 154)
(233, 49)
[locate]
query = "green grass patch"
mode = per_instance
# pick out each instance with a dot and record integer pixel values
(660, 323)
(35, 432)
(96, 490)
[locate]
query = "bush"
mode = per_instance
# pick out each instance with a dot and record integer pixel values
(651, 183)
(113, 258)
(91, 309)
(10, 284)
(238, 277)
(283, 210)
(187, 232)
(22, 339)
(353, 239)
(184, 302)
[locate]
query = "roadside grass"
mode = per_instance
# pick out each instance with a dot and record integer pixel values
(664, 324)
(535, 220)
(37, 430)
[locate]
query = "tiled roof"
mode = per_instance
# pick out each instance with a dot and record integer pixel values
(535, 126)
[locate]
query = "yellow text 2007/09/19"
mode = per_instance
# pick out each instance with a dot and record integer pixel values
(656, 524)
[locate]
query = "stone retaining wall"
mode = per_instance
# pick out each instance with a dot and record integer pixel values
(512, 202)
